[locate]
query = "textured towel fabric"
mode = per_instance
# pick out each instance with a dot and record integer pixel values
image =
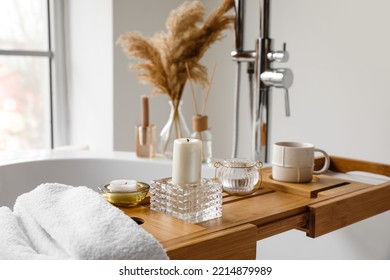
(14, 244)
(65, 222)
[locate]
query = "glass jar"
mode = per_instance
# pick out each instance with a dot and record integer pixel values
(239, 176)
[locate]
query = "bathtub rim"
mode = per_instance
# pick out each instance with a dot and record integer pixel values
(7, 159)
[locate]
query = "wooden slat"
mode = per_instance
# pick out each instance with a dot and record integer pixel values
(162, 227)
(355, 186)
(228, 244)
(320, 183)
(341, 211)
(282, 225)
(260, 210)
(227, 198)
(344, 165)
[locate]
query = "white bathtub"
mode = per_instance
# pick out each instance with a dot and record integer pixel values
(79, 168)
(368, 239)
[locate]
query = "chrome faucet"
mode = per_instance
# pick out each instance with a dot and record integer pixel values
(259, 64)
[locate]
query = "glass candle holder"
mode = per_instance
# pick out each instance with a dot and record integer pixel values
(193, 203)
(125, 198)
(145, 141)
(239, 176)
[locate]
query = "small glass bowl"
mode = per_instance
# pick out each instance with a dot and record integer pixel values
(239, 176)
(125, 199)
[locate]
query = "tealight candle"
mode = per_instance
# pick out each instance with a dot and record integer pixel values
(186, 161)
(123, 185)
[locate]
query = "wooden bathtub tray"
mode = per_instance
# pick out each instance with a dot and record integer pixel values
(326, 204)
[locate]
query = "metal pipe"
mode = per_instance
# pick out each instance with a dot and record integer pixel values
(261, 91)
(236, 110)
(264, 18)
(264, 78)
(239, 45)
(239, 7)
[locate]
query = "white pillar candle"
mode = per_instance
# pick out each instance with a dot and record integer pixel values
(186, 161)
(123, 185)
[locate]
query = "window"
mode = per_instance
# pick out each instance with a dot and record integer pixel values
(26, 75)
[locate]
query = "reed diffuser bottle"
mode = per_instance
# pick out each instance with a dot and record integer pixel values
(145, 134)
(201, 131)
(200, 125)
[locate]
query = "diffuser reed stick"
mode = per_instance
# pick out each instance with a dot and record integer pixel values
(192, 89)
(207, 93)
(208, 89)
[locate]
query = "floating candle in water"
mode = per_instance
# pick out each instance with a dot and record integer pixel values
(123, 185)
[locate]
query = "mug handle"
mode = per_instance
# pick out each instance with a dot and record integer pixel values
(327, 162)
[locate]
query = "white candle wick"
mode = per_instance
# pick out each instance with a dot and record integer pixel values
(123, 185)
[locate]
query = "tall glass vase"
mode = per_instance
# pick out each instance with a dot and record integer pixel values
(176, 127)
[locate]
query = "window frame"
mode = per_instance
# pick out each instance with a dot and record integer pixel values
(59, 109)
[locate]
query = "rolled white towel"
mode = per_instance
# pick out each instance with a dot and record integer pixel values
(77, 223)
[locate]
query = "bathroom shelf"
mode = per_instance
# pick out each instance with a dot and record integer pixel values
(326, 204)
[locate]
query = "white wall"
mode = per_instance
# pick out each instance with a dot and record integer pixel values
(89, 50)
(340, 97)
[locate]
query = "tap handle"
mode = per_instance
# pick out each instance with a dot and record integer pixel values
(279, 56)
(287, 102)
(280, 77)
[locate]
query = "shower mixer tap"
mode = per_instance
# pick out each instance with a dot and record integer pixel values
(265, 78)
(279, 77)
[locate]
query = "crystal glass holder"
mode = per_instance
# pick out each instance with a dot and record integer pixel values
(193, 203)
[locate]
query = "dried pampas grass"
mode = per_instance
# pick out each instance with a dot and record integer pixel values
(162, 59)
